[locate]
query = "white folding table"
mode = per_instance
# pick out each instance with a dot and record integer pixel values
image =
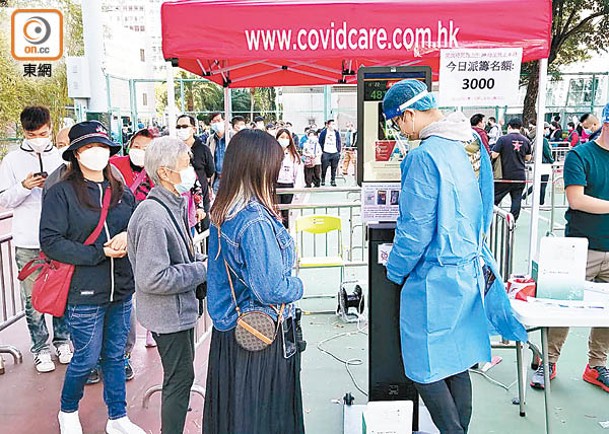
(540, 315)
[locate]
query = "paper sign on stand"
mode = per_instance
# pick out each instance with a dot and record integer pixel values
(380, 202)
(480, 77)
(562, 268)
(387, 417)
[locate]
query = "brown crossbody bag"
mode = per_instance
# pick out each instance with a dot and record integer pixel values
(256, 330)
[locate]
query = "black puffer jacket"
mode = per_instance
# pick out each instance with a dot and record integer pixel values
(65, 224)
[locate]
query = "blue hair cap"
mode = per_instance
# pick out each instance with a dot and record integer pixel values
(605, 115)
(407, 94)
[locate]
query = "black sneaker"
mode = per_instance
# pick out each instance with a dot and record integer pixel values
(129, 374)
(323, 184)
(537, 380)
(94, 376)
(333, 183)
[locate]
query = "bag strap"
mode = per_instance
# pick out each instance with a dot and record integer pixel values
(30, 268)
(189, 245)
(250, 329)
(232, 288)
(102, 218)
(138, 180)
(38, 262)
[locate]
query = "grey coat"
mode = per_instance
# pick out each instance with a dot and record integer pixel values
(165, 277)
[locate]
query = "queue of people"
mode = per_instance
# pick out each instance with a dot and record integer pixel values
(511, 152)
(124, 223)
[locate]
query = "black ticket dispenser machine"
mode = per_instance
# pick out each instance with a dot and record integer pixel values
(380, 152)
(386, 378)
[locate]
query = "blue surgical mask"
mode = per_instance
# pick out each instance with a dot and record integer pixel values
(588, 131)
(188, 177)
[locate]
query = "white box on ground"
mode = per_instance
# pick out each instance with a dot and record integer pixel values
(387, 417)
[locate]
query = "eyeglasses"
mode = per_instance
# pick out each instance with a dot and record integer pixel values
(394, 125)
(179, 127)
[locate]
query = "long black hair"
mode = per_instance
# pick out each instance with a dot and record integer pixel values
(251, 167)
(76, 177)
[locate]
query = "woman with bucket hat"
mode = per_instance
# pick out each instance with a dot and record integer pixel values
(99, 299)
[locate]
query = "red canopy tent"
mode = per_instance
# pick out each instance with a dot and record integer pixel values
(262, 43)
(258, 43)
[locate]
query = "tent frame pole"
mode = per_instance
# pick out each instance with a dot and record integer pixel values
(541, 109)
(171, 101)
(227, 112)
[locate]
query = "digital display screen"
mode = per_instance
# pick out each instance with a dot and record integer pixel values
(381, 148)
(377, 84)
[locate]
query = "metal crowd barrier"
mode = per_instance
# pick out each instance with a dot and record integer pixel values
(348, 209)
(501, 237)
(202, 329)
(560, 151)
(501, 241)
(11, 305)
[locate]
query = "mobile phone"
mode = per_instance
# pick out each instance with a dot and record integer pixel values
(43, 174)
(288, 334)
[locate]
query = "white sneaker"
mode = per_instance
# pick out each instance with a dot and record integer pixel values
(123, 426)
(43, 362)
(69, 423)
(64, 354)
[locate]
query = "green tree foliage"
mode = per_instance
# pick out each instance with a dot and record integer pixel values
(580, 28)
(202, 97)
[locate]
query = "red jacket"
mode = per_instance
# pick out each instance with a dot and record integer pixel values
(484, 138)
(123, 164)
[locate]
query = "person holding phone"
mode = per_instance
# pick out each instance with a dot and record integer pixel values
(23, 174)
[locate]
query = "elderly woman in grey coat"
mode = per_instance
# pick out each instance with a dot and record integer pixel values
(167, 272)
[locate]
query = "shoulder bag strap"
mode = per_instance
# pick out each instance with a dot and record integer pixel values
(138, 180)
(102, 218)
(252, 330)
(232, 288)
(188, 242)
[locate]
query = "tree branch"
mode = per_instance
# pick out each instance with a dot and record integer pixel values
(559, 39)
(583, 22)
(571, 16)
(557, 12)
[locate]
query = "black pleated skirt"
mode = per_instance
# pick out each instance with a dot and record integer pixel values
(251, 392)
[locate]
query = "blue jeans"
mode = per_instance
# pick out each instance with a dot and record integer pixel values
(36, 324)
(98, 331)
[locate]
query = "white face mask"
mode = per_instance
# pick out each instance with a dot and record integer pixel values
(284, 142)
(218, 127)
(137, 157)
(239, 127)
(95, 158)
(188, 177)
(184, 134)
(38, 144)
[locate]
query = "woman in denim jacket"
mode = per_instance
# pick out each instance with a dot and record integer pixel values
(253, 392)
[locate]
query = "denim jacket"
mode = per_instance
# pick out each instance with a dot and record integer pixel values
(261, 253)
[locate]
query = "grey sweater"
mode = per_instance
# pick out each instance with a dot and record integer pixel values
(165, 277)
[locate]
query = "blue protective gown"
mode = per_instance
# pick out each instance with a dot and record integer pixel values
(437, 250)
